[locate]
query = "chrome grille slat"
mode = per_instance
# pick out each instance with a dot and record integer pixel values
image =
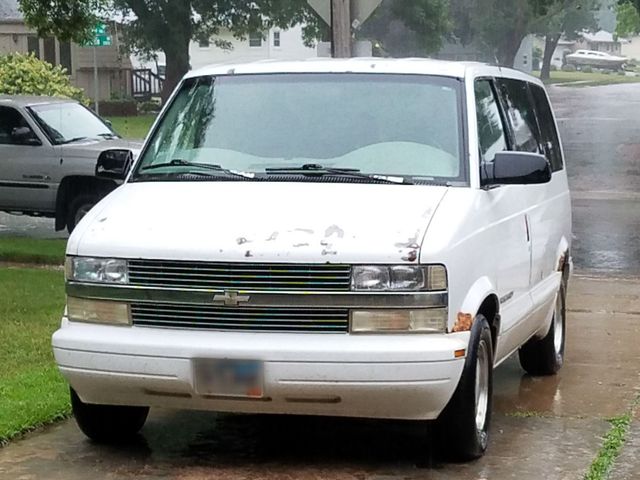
(239, 276)
(240, 319)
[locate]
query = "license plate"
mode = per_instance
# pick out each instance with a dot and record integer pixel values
(229, 378)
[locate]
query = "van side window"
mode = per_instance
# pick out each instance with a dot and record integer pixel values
(10, 121)
(548, 133)
(491, 136)
(520, 114)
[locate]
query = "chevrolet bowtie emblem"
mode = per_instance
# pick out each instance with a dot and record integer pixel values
(230, 299)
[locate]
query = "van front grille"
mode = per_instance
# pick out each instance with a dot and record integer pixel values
(239, 276)
(208, 317)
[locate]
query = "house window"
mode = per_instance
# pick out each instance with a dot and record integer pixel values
(204, 43)
(33, 45)
(50, 50)
(255, 39)
(276, 38)
(65, 56)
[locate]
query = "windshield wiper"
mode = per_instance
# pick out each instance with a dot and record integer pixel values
(178, 162)
(315, 169)
(71, 140)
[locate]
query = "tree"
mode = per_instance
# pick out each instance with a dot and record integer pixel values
(496, 25)
(167, 25)
(565, 18)
(408, 28)
(628, 19)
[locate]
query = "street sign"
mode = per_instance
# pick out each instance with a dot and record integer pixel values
(100, 37)
(360, 10)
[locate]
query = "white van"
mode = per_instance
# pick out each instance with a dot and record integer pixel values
(363, 238)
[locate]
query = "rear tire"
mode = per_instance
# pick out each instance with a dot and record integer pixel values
(107, 423)
(545, 356)
(463, 426)
(78, 208)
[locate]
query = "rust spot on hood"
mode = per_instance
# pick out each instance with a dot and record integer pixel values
(412, 256)
(272, 237)
(241, 240)
(463, 323)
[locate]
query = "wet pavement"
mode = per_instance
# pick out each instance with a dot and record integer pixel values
(545, 427)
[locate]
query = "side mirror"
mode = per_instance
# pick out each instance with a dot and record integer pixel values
(516, 168)
(114, 164)
(24, 136)
(108, 123)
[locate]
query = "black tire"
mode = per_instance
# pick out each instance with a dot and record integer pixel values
(545, 356)
(107, 423)
(463, 426)
(78, 207)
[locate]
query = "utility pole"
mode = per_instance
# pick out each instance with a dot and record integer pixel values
(341, 28)
(95, 82)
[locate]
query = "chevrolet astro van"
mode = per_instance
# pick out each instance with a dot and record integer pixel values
(361, 237)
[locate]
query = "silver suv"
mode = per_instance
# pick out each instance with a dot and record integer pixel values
(48, 153)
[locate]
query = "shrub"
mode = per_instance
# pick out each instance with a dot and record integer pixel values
(587, 69)
(27, 75)
(568, 68)
(553, 68)
(622, 73)
(148, 107)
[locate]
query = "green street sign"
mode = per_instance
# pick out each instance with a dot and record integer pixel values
(100, 37)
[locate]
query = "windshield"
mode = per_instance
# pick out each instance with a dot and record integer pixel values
(65, 122)
(379, 124)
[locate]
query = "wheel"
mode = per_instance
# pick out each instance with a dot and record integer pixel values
(545, 356)
(78, 208)
(107, 423)
(463, 426)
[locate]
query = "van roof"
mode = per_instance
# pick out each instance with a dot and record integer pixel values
(415, 66)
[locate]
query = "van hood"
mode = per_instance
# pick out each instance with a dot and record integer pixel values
(260, 222)
(92, 147)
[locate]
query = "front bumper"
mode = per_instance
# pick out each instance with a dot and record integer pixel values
(377, 376)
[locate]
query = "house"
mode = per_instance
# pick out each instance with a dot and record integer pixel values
(273, 44)
(631, 48)
(601, 41)
(113, 69)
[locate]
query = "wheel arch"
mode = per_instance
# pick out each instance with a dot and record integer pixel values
(78, 184)
(481, 298)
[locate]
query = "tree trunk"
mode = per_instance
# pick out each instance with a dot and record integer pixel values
(507, 53)
(550, 44)
(177, 57)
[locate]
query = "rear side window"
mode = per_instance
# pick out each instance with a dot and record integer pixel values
(520, 114)
(548, 134)
(491, 135)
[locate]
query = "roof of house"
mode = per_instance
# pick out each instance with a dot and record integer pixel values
(9, 11)
(601, 36)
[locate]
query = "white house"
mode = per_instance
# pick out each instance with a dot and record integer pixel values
(273, 44)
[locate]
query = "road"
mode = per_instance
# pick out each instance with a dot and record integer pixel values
(542, 427)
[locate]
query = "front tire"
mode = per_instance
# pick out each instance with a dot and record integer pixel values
(545, 356)
(78, 208)
(463, 426)
(107, 423)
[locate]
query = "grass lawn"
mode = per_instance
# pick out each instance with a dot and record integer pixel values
(588, 79)
(32, 250)
(32, 392)
(132, 127)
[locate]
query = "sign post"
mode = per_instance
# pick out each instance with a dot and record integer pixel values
(100, 39)
(343, 16)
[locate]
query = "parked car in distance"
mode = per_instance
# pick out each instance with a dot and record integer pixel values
(386, 235)
(591, 58)
(49, 149)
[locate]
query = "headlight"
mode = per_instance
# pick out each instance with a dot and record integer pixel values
(96, 270)
(426, 320)
(98, 311)
(398, 278)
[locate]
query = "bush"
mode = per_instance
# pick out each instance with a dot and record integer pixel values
(587, 69)
(622, 73)
(553, 68)
(148, 107)
(27, 75)
(568, 68)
